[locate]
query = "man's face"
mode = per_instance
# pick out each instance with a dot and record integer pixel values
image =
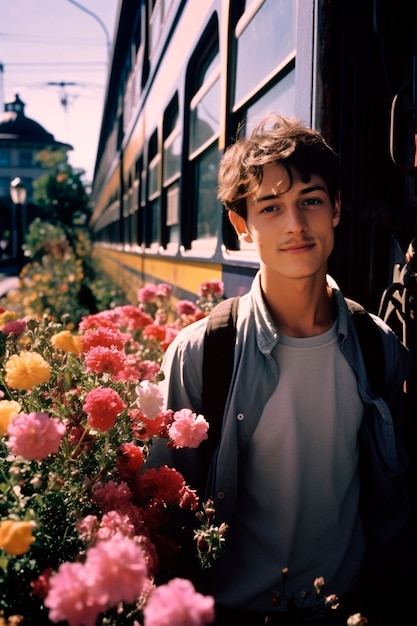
(291, 227)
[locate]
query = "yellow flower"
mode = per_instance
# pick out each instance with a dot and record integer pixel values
(7, 316)
(66, 341)
(16, 537)
(8, 408)
(26, 370)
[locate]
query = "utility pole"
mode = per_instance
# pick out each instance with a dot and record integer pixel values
(64, 99)
(64, 95)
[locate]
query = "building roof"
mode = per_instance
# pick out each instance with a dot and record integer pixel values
(15, 126)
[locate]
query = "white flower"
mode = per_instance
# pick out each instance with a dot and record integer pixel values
(149, 399)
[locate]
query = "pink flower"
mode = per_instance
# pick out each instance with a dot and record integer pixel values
(150, 399)
(16, 327)
(164, 291)
(34, 436)
(147, 294)
(112, 495)
(188, 429)
(132, 317)
(103, 319)
(214, 288)
(106, 337)
(178, 604)
(102, 406)
(147, 369)
(114, 571)
(113, 522)
(170, 334)
(100, 359)
(185, 307)
(69, 597)
(87, 527)
(118, 569)
(161, 317)
(155, 332)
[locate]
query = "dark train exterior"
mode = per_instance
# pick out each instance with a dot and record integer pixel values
(186, 76)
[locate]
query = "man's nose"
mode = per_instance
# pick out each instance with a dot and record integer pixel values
(296, 221)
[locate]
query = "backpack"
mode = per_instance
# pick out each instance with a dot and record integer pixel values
(219, 346)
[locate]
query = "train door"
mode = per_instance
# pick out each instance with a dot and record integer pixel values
(366, 64)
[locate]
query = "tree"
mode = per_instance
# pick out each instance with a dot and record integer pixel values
(61, 278)
(60, 192)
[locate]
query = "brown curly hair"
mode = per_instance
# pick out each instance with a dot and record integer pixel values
(277, 139)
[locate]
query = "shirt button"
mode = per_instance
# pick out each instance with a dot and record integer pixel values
(240, 417)
(220, 495)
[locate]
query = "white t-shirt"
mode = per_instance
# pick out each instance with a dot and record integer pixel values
(299, 487)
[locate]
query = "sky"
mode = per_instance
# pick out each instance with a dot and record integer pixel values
(59, 42)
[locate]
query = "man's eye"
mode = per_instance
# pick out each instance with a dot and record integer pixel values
(312, 201)
(269, 209)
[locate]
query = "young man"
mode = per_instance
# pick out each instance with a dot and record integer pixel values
(308, 470)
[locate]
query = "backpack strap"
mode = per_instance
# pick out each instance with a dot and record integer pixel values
(219, 352)
(371, 344)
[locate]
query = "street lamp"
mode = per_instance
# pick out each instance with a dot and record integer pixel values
(100, 22)
(18, 195)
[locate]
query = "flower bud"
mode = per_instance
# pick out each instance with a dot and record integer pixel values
(202, 545)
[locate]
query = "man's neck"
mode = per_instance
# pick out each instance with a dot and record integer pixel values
(300, 307)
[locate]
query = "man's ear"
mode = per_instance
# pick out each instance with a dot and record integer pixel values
(336, 211)
(239, 224)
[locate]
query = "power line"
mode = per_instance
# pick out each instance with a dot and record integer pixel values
(60, 63)
(42, 39)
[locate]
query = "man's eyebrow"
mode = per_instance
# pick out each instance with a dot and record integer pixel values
(304, 191)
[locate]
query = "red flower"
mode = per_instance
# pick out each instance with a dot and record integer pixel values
(164, 485)
(129, 460)
(106, 337)
(102, 406)
(40, 586)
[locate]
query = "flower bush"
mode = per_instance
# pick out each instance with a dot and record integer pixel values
(61, 278)
(81, 522)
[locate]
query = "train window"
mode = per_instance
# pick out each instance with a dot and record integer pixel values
(126, 211)
(263, 20)
(5, 158)
(158, 11)
(279, 98)
(25, 158)
(205, 105)
(131, 211)
(172, 212)
(204, 121)
(155, 22)
(4, 186)
(138, 201)
(172, 142)
(153, 176)
(206, 175)
(154, 205)
(171, 172)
